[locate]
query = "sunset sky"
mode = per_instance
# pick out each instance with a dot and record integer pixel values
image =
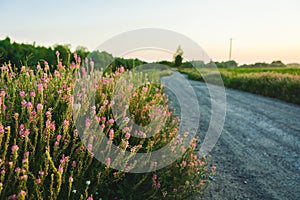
(262, 30)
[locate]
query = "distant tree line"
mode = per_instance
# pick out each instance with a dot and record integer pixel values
(276, 63)
(230, 64)
(30, 55)
(178, 62)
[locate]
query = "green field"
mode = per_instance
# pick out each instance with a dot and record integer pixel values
(280, 83)
(281, 70)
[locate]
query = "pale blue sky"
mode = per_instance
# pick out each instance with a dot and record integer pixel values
(262, 30)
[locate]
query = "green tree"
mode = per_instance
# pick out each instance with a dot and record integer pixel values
(82, 51)
(231, 64)
(101, 59)
(277, 63)
(64, 51)
(178, 57)
(4, 46)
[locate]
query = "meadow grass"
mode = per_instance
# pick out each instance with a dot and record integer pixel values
(280, 83)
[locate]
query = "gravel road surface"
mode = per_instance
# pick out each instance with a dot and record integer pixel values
(258, 153)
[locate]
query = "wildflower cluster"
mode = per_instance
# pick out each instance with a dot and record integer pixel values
(42, 152)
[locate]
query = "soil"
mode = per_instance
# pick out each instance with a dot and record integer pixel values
(258, 153)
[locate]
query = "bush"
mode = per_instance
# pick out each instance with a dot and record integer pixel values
(43, 157)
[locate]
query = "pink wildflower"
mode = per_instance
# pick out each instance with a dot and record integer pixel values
(38, 180)
(102, 126)
(18, 169)
(14, 196)
(74, 163)
(40, 87)
(83, 70)
(213, 168)
(16, 115)
(111, 134)
(22, 93)
(105, 102)
(60, 169)
(90, 147)
(154, 176)
(33, 113)
(22, 127)
(66, 123)
(183, 149)
(26, 133)
(52, 126)
(39, 107)
(1, 129)
(75, 132)
(23, 103)
(158, 185)
(111, 121)
(108, 162)
(22, 193)
(32, 94)
(87, 122)
(121, 69)
(127, 136)
(145, 89)
(126, 120)
(97, 118)
(92, 63)
(48, 113)
(14, 148)
(24, 177)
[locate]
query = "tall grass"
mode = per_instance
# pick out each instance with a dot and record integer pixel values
(280, 83)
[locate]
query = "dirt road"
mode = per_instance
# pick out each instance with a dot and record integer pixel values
(258, 153)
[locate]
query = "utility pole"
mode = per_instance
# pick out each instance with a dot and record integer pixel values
(230, 49)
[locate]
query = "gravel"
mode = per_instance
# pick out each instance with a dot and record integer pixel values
(258, 153)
